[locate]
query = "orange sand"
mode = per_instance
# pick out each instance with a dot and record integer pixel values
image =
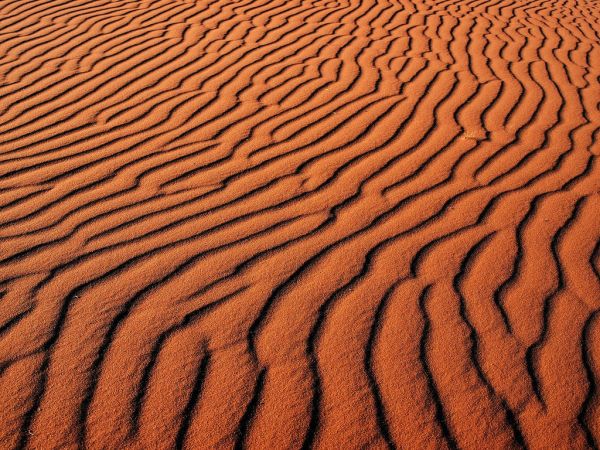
(272, 224)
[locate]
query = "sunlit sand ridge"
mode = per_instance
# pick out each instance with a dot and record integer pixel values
(272, 224)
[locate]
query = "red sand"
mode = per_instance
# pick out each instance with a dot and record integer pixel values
(293, 223)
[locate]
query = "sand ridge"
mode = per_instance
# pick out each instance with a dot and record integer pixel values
(299, 224)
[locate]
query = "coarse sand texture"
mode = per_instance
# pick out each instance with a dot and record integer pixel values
(299, 224)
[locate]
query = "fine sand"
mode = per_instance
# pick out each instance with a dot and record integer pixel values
(278, 224)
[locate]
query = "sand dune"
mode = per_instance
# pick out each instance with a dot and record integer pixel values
(299, 224)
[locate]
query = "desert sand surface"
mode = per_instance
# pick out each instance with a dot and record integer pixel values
(280, 224)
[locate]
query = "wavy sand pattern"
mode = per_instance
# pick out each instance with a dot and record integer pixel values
(299, 224)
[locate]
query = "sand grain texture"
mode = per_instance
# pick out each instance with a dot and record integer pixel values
(299, 224)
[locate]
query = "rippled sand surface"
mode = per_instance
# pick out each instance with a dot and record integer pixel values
(273, 224)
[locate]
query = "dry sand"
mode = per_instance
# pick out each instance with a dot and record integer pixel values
(270, 224)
